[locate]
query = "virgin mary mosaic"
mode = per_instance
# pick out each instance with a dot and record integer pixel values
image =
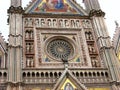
(55, 6)
(68, 86)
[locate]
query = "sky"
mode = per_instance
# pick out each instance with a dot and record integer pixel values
(110, 7)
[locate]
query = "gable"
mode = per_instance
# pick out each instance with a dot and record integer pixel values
(67, 80)
(68, 84)
(55, 7)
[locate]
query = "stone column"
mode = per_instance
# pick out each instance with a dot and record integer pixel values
(15, 45)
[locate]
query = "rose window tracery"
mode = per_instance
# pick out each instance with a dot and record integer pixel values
(60, 49)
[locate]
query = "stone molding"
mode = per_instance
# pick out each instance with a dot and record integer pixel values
(97, 13)
(15, 10)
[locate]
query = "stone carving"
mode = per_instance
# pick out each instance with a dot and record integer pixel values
(29, 34)
(95, 62)
(97, 13)
(91, 49)
(88, 35)
(86, 24)
(60, 49)
(30, 62)
(29, 47)
(29, 22)
(16, 10)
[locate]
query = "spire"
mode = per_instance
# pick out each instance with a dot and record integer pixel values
(16, 3)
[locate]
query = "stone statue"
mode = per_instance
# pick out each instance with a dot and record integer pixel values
(26, 22)
(27, 35)
(30, 22)
(28, 62)
(32, 62)
(31, 47)
(31, 35)
(27, 47)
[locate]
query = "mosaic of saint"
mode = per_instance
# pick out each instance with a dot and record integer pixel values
(55, 6)
(68, 86)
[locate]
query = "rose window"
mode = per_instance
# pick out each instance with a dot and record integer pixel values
(60, 49)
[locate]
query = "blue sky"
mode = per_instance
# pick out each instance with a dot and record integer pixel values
(110, 7)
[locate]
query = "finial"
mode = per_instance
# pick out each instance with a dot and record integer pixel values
(116, 23)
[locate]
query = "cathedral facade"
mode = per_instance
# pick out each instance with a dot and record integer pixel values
(58, 45)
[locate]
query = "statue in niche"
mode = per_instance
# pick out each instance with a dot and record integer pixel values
(31, 35)
(27, 47)
(68, 86)
(28, 62)
(31, 47)
(88, 36)
(32, 62)
(27, 35)
(30, 22)
(95, 63)
(91, 49)
(37, 22)
(26, 22)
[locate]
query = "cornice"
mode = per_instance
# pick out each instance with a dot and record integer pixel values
(51, 15)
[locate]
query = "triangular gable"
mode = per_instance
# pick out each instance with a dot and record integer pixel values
(55, 6)
(68, 79)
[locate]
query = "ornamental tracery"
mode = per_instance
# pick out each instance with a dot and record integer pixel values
(60, 49)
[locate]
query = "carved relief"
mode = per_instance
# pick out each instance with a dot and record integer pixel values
(89, 35)
(29, 62)
(91, 48)
(52, 23)
(29, 22)
(86, 24)
(29, 34)
(95, 62)
(29, 48)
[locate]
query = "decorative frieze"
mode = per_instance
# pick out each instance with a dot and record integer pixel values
(53, 23)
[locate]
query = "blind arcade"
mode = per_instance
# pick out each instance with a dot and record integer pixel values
(56, 23)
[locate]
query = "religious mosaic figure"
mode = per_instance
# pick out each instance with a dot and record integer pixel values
(55, 4)
(68, 87)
